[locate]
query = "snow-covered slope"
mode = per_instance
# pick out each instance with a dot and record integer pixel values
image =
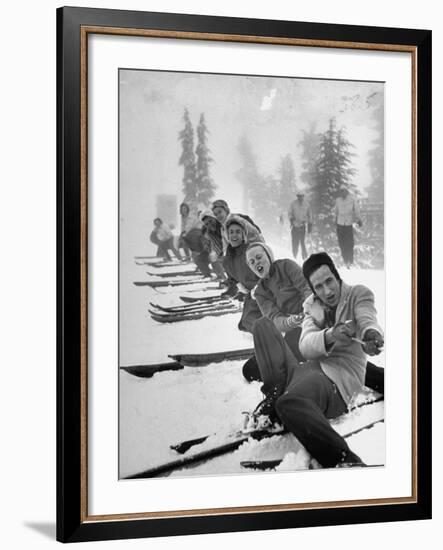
(177, 405)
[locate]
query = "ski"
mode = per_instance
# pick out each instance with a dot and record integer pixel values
(233, 442)
(191, 360)
(171, 264)
(172, 274)
(201, 359)
(369, 397)
(196, 299)
(155, 284)
(165, 263)
(171, 318)
(192, 307)
(274, 463)
(148, 371)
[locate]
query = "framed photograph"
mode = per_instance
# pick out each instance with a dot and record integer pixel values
(244, 274)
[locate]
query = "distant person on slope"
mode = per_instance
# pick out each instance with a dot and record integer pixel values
(300, 218)
(163, 237)
(337, 318)
(347, 212)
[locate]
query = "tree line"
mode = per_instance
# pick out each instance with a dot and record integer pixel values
(198, 186)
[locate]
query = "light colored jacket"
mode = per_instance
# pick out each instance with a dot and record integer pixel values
(344, 365)
(164, 233)
(347, 210)
(299, 214)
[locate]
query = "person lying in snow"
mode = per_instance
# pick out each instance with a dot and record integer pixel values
(241, 280)
(337, 318)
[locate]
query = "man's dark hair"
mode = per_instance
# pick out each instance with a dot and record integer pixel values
(158, 220)
(314, 262)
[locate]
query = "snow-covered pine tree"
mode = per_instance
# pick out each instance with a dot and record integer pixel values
(333, 170)
(204, 182)
(187, 160)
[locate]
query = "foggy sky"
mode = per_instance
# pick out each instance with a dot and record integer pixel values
(271, 112)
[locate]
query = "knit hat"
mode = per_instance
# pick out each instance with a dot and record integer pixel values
(207, 214)
(315, 261)
(221, 204)
(238, 220)
(267, 249)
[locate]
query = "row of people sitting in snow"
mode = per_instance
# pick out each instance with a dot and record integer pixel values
(312, 331)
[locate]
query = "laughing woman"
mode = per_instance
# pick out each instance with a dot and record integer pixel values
(280, 295)
(241, 279)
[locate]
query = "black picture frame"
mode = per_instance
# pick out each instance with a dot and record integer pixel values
(73, 523)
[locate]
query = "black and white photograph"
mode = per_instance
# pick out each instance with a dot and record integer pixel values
(251, 274)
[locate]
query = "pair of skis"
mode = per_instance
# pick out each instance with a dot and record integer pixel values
(235, 439)
(189, 360)
(192, 312)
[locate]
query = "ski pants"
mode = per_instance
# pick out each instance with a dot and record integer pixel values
(298, 238)
(201, 260)
(309, 397)
(375, 376)
(183, 245)
(345, 235)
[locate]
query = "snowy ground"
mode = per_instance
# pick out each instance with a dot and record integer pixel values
(176, 405)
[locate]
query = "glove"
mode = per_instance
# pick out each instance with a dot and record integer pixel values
(373, 342)
(293, 321)
(241, 288)
(309, 227)
(212, 257)
(342, 334)
(359, 223)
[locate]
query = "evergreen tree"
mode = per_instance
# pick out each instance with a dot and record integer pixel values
(205, 184)
(333, 170)
(287, 189)
(187, 160)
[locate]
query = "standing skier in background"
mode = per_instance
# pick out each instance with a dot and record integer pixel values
(347, 212)
(300, 219)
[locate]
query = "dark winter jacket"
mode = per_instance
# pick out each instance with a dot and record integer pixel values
(196, 241)
(238, 271)
(282, 292)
